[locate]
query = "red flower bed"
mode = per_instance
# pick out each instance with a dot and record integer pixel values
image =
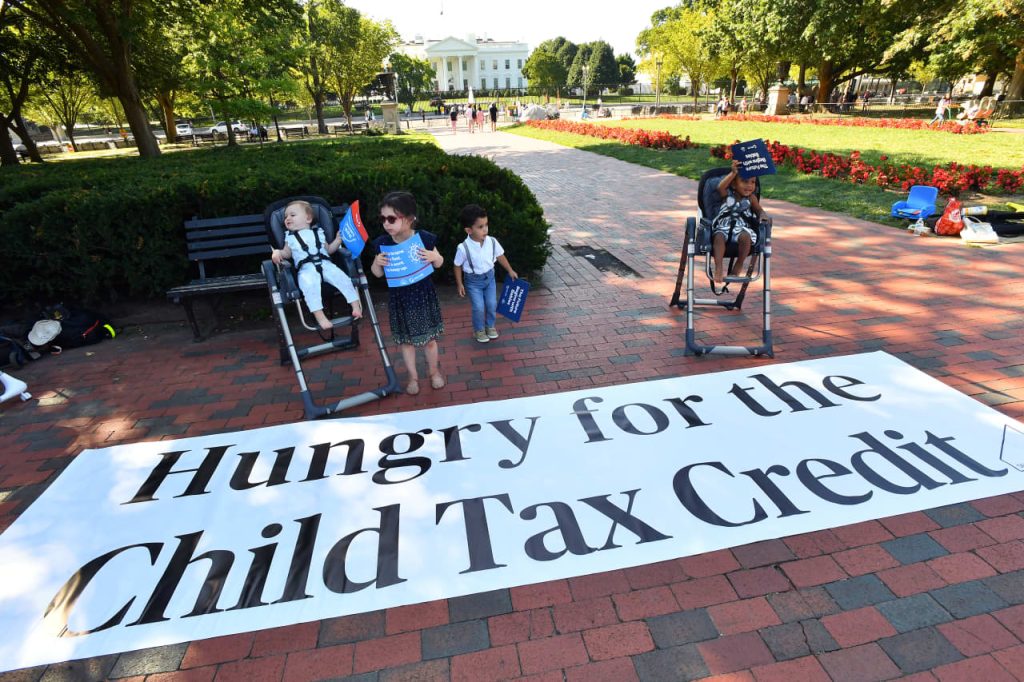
(860, 122)
(951, 179)
(652, 139)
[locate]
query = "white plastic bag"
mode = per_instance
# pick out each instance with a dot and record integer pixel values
(978, 232)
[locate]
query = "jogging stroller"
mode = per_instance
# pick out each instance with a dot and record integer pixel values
(344, 334)
(697, 241)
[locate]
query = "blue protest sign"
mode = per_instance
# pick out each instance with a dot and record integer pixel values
(353, 234)
(754, 158)
(513, 298)
(405, 266)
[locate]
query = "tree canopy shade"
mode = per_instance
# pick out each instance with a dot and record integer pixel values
(545, 71)
(107, 37)
(678, 39)
(240, 54)
(21, 64)
(355, 50)
(415, 76)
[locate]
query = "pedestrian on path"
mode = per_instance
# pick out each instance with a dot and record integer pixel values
(454, 115)
(493, 111)
(474, 270)
(413, 310)
(940, 110)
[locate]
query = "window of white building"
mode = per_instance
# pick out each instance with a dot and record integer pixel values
(507, 61)
(494, 64)
(483, 83)
(519, 63)
(508, 82)
(483, 64)
(495, 83)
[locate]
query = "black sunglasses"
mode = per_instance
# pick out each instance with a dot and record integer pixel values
(390, 219)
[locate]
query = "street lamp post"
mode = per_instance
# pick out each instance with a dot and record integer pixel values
(657, 94)
(583, 113)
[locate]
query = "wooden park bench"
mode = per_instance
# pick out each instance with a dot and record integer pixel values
(212, 241)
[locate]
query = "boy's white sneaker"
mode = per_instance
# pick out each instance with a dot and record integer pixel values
(481, 336)
(492, 333)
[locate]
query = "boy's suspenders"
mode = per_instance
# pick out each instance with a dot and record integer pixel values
(469, 259)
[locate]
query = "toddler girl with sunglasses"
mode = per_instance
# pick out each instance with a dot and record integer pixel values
(414, 310)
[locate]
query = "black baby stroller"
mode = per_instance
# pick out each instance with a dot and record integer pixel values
(283, 288)
(698, 241)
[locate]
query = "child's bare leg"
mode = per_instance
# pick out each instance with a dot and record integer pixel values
(322, 320)
(357, 309)
(718, 253)
(742, 251)
(430, 352)
(409, 359)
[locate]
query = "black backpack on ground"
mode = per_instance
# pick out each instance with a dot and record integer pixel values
(79, 326)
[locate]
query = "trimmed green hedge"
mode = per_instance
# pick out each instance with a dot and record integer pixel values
(101, 229)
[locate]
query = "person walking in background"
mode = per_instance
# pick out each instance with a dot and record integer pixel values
(493, 112)
(453, 114)
(413, 310)
(940, 110)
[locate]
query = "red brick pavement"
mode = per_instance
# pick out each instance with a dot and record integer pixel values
(870, 601)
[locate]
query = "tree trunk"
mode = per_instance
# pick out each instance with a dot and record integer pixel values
(131, 102)
(321, 124)
(1016, 88)
(825, 80)
(71, 139)
(801, 79)
(18, 124)
(8, 157)
(316, 91)
(166, 102)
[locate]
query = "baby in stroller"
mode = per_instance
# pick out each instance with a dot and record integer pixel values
(735, 220)
(305, 245)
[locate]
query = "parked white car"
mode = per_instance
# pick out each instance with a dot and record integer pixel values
(183, 128)
(222, 127)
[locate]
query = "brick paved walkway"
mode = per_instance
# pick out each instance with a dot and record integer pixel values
(938, 594)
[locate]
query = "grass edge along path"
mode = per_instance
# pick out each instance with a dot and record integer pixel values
(866, 202)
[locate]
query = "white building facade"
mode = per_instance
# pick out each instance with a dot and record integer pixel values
(478, 63)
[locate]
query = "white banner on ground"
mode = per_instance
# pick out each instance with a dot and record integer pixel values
(156, 543)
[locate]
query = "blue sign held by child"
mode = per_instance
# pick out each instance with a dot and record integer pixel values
(405, 266)
(754, 158)
(353, 234)
(513, 298)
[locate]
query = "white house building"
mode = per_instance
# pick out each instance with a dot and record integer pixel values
(478, 63)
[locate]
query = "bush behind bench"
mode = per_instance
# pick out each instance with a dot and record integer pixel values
(103, 229)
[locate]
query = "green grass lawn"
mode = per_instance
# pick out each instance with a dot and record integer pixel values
(924, 148)
(860, 201)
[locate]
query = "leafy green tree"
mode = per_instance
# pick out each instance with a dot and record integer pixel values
(980, 36)
(574, 79)
(356, 49)
(604, 70)
(21, 64)
(106, 37)
(678, 37)
(627, 69)
(415, 77)
(545, 71)
(241, 53)
(62, 97)
(562, 48)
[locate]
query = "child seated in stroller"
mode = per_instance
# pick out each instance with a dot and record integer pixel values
(305, 245)
(735, 221)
